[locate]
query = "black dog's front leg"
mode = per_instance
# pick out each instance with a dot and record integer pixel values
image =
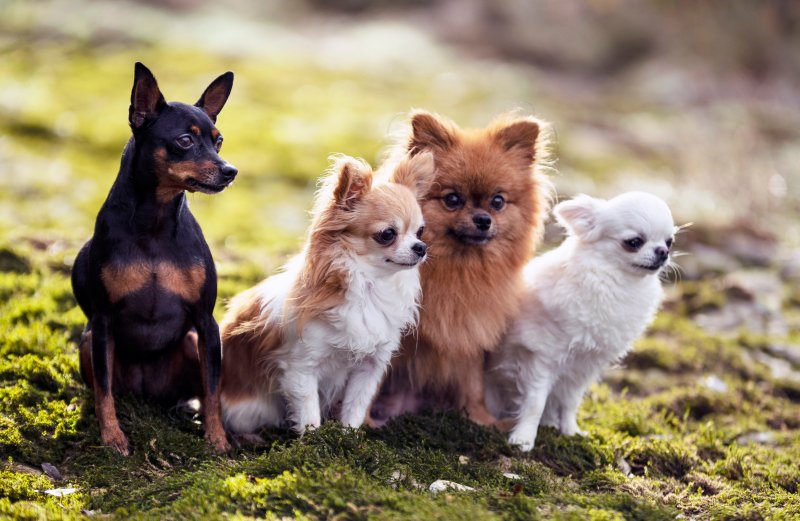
(102, 343)
(210, 354)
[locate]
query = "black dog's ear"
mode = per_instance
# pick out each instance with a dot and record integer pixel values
(215, 96)
(146, 100)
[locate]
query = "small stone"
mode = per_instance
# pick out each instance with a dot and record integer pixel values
(624, 467)
(51, 471)
(440, 485)
(714, 383)
(463, 460)
(761, 438)
(512, 475)
(60, 492)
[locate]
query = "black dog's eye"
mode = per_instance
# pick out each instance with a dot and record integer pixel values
(385, 237)
(633, 244)
(419, 232)
(498, 202)
(184, 141)
(669, 242)
(218, 144)
(453, 200)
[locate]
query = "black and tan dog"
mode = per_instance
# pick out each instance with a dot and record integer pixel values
(146, 279)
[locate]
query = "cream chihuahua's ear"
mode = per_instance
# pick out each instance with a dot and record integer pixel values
(579, 216)
(354, 180)
(416, 172)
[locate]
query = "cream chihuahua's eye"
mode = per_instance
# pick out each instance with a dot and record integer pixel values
(385, 237)
(420, 231)
(184, 141)
(669, 242)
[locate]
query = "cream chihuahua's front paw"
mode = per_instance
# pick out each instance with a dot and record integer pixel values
(523, 440)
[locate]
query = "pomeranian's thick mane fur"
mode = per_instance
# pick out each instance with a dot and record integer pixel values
(469, 294)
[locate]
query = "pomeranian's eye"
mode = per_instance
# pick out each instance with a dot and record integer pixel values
(385, 237)
(669, 242)
(497, 202)
(633, 244)
(184, 141)
(218, 143)
(419, 232)
(453, 200)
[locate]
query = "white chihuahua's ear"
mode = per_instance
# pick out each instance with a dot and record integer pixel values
(354, 180)
(579, 216)
(416, 173)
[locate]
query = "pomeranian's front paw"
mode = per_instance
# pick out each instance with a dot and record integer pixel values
(524, 441)
(505, 424)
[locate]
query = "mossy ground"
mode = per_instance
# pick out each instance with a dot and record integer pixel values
(662, 441)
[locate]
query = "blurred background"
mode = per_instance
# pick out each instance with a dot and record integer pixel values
(696, 102)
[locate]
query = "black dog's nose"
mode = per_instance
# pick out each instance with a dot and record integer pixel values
(228, 171)
(419, 248)
(482, 221)
(661, 253)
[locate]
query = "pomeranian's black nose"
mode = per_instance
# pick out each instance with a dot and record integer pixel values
(482, 221)
(419, 248)
(661, 253)
(228, 171)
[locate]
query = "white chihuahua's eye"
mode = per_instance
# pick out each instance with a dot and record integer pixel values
(633, 244)
(420, 231)
(385, 237)
(669, 242)
(497, 202)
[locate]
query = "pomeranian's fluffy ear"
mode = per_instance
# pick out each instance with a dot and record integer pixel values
(519, 135)
(579, 216)
(354, 180)
(416, 172)
(429, 131)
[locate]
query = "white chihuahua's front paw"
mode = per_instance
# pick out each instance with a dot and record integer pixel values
(523, 440)
(571, 429)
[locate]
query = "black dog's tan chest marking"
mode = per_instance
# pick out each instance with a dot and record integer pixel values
(122, 280)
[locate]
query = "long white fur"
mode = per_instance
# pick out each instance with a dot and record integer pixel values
(341, 355)
(585, 304)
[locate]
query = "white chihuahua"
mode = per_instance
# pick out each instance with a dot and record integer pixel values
(585, 303)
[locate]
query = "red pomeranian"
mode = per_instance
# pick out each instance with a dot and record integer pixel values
(484, 215)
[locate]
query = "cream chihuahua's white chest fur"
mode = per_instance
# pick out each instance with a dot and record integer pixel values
(340, 351)
(585, 304)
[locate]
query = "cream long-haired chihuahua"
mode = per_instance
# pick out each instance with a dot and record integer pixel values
(319, 335)
(585, 304)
